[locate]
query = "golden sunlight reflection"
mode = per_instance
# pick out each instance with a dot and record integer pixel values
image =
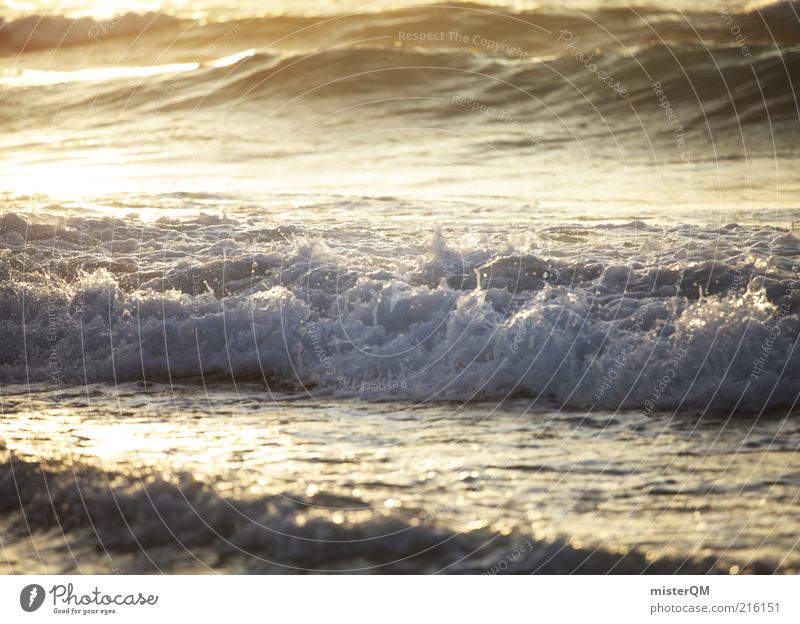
(36, 77)
(67, 181)
(42, 77)
(266, 455)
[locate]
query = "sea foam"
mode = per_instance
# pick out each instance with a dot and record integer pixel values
(707, 318)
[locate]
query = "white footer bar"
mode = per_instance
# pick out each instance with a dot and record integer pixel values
(340, 599)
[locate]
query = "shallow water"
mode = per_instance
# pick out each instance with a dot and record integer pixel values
(677, 490)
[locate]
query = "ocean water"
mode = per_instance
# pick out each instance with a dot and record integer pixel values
(465, 288)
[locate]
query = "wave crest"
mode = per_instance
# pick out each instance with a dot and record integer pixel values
(478, 27)
(697, 324)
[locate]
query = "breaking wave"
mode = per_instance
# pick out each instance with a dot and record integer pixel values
(631, 317)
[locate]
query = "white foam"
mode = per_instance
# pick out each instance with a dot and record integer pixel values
(690, 323)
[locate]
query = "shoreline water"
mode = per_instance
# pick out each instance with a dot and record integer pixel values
(253, 485)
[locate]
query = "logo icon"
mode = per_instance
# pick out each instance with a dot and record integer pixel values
(31, 597)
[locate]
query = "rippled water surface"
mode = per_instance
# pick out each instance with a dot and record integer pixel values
(673, 489)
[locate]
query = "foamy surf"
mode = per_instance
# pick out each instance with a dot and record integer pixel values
(618, 317)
